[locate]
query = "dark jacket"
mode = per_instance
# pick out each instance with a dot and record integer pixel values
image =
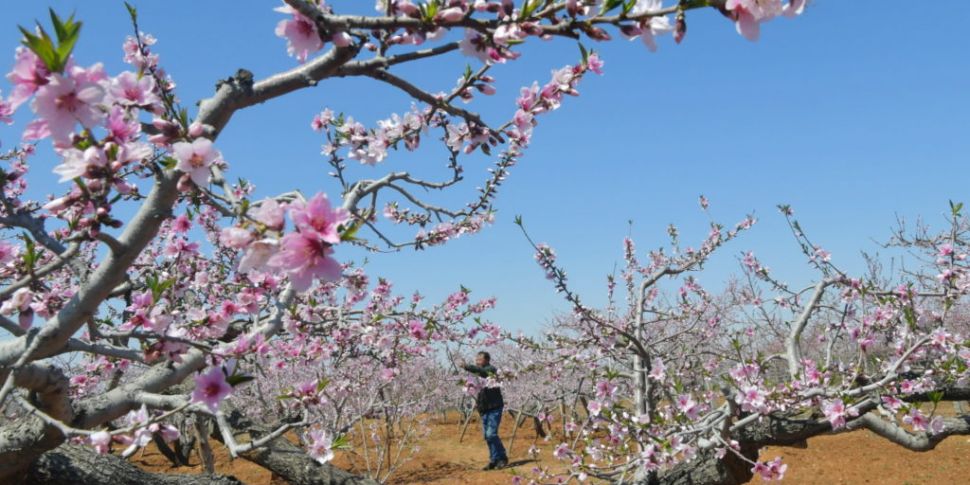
(489, 398)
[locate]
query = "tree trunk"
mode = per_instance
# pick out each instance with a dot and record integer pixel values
(707, 469)
(289, 461)
(73, 464)
(25, 438)
(21, 443)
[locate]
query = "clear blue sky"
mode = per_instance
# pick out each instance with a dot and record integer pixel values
(854, 113)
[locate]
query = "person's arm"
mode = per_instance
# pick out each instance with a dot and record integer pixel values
(474, 369)
(484, 371)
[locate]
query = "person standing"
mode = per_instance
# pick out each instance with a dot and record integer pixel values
(490, 405)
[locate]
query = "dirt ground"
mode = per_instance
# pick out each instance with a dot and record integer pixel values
(853, 458)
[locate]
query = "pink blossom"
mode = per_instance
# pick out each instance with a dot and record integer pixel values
(195, 158)
(316, 219)
(452, 14)
(417, 330)
(122, 127)
(20, 302)
(169, 433)
(322, 120)
(688, 406)
(269, 212)
(7, 252)
(130, 89)
(305, 257)
(605, 389)
(101, 440)
(405, 7)
(749, 14)
(892, 403)
(771, 470)
(658, 370)
(302, 37)
(211, 388)
(321, 446)
(945, 250)
(836, 412)
(916, 419)
(68, 100)
(794, 8)
(77, 163)
(27, 76)
(258, 255)
(751, 399)
(6, 111)
(473, 45)
(508, 33)
(341, 39)
(235, 237)
(181, 224)
(907, 386)
(594, 63)
(652, 26)
(562, 451)
(822, 254)
(388, 374)
(133, 52)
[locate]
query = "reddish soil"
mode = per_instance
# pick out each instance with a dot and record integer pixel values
(852, 458)
(863, 457)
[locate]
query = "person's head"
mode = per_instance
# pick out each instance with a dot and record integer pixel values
(483, 359)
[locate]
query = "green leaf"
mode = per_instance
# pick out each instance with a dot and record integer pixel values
(41, 46)
(83, 186)
(429, 10)
(237, 379)
(910, 317)
(132, 12)
(529, 8)
(341, 442)
(350, 233)
(322, 384)
(67, 34)
(168, 162)
(30, 255)
(53, 56)
(629, 6)
(956, 207)
(610, 5)
(64, 50)
(112, 152)
(584, 52)
(158, 288)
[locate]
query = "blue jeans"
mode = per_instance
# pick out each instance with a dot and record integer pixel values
(490, 421)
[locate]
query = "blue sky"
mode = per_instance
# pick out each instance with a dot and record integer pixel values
(854, 113)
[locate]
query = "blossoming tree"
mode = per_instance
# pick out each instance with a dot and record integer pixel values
(204, 287)
(691, 384)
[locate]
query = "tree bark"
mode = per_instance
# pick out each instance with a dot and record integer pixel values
(289, 461)
(73, 464)
(707, 469)
(24, 440)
